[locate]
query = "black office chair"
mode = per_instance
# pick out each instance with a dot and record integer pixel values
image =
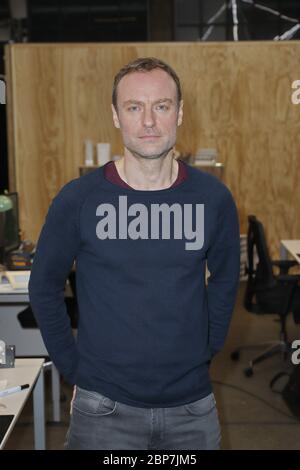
(71, 302)
(268, 293)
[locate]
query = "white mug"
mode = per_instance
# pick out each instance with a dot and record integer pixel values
(103, 153)
(89, 153)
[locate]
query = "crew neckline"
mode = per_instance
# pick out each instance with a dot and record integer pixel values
(146, 191)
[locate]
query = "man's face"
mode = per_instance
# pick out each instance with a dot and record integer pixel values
(147, 113)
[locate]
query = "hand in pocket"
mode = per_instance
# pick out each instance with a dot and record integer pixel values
(73, 397)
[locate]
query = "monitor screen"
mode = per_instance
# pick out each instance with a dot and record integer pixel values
(11, 225)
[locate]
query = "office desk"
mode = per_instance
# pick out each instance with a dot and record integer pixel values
(25, 371)
(292, 247)
(28, 341)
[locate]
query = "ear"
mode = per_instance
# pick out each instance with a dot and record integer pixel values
(115, 117)
(180, 114)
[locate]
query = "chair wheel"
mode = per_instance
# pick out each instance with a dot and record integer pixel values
(235, 355)
(248, 372)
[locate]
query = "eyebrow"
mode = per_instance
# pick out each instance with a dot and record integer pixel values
(162, 100)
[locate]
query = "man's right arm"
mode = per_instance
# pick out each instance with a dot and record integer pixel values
(55, 253)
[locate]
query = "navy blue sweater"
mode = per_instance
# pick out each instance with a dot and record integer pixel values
(148, 323)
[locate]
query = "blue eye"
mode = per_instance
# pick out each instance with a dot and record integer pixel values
(133, 108)
(162, 107)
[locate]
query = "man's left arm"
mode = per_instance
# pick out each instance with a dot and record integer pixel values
(223, 262)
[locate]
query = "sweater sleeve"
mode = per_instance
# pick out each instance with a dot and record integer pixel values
(223, 262)
(55, 253)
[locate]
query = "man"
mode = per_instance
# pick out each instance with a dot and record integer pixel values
(141, 231)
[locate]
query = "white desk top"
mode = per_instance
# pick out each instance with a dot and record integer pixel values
(8, 294)
(14, 282)
(208, 163)
(26, 371)
(14, 297)
(7, 289)
(293, 247)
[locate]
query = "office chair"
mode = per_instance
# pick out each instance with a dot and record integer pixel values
(71, 302)
(268, 293)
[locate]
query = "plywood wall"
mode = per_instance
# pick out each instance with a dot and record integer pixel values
(237, 98)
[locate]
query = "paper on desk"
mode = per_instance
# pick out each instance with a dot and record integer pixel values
(18, 279)
(3, 384)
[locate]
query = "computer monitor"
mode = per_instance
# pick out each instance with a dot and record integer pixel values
(11, 225)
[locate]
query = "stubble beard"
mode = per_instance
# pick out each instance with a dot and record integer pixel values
(162, 154)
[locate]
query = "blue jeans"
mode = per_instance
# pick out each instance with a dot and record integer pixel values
(99, 423)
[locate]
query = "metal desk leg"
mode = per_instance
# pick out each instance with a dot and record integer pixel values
(39, 413)
(283, 252)
(55, 381)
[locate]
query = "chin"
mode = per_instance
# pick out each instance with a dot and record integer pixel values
(150, 154)
(153, 156)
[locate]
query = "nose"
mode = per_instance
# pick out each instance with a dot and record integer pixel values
(148, 117)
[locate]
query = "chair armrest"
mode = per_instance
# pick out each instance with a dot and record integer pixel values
(284, 265)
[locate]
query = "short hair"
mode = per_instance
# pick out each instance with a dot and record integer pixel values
(145, 64)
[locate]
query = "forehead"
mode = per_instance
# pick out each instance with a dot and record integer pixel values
(156, 84)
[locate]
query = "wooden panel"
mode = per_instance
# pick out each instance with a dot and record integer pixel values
(237, 99)
(9, 117)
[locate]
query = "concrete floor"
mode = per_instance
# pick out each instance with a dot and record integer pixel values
(251, 415)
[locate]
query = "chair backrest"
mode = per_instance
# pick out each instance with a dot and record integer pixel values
(260, 277)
